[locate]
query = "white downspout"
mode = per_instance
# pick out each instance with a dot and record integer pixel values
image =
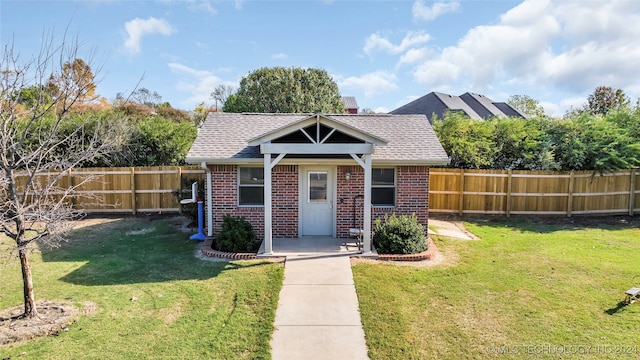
(209, 200)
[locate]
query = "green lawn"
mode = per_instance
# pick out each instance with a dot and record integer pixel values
(527, 289)
(184, 308)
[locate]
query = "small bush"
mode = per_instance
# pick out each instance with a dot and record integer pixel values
(399, 235)
(237, 235)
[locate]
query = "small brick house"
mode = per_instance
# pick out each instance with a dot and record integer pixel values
(295, 175)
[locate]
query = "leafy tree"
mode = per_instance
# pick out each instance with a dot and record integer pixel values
(517, 141)
(526, 105)
(469, 143)
(582, 142)
(607, 146)
(286, 90)
(35, 154)
(135, 110)
(232, 104)
(167, 111)
(159, 141)
(604, 99)
(32, 96)
(200, 114)
(74, 84)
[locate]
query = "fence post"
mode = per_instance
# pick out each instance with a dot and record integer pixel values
(73, 190)
(133, 190)
(179, 188)
(508, 209)
(570, 195)
(632, 190)
(461, 208)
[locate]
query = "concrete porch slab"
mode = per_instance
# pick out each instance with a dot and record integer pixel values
(311, 245)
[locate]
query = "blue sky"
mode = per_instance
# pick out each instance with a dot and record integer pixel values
(385, 53)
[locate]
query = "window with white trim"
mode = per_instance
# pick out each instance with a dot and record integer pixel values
(251, 186)
(383, 187)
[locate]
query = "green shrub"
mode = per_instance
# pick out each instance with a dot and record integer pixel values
(237, 235)
(399, 235)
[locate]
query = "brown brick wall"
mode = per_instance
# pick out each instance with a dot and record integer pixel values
(284, 199)
(412, 196)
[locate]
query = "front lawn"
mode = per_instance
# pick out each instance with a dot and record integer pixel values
(145, 295)
(532, 289)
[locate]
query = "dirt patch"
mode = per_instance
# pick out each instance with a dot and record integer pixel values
(53, 318)
(92, 221)
(438, 260)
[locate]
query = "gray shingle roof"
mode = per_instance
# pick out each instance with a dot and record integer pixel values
(349, 102)
(509, 110)
(476, 106)
(224, 137)
(456, 103)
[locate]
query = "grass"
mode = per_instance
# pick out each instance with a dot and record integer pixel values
(529, 288)
(182, 307)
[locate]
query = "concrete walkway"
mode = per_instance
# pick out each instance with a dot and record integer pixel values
(317, 315)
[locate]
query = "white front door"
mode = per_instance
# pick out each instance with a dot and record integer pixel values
(316, 200)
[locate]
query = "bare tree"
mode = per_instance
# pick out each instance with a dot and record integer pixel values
(220, 94)
(36, 157)
(145, 97)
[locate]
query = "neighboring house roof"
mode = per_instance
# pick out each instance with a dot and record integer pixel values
(350, 103)
(227, 138)
(476, 106)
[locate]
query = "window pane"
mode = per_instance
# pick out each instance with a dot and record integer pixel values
(251, 176)
(251, 195)
(317, 186)
(382, 177)
(383, 196)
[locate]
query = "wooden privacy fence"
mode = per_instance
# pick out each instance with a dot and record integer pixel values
(461, 192)
(457, 191)
(127, 190)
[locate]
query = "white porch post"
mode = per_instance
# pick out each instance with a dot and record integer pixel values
(367, 205)
(268, 236)
(209, 201)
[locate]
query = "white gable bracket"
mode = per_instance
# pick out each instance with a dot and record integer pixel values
(276, 160)
(358, 160)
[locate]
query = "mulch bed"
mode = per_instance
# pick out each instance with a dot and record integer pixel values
(52, 318)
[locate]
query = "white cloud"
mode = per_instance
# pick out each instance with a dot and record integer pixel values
(376, 42)
(423, 12)
(279, 56)
(573, 46)
(371, 84)
(414, 56)
(200, 5)
(137, 28)
(558, 109)
(197, 83)
(237, 4)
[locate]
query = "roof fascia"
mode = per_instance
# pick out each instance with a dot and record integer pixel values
(302, 161)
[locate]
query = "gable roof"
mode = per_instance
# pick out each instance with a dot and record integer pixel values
(474, 105)
(350, 102)
(227, 138)
(321, 119)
